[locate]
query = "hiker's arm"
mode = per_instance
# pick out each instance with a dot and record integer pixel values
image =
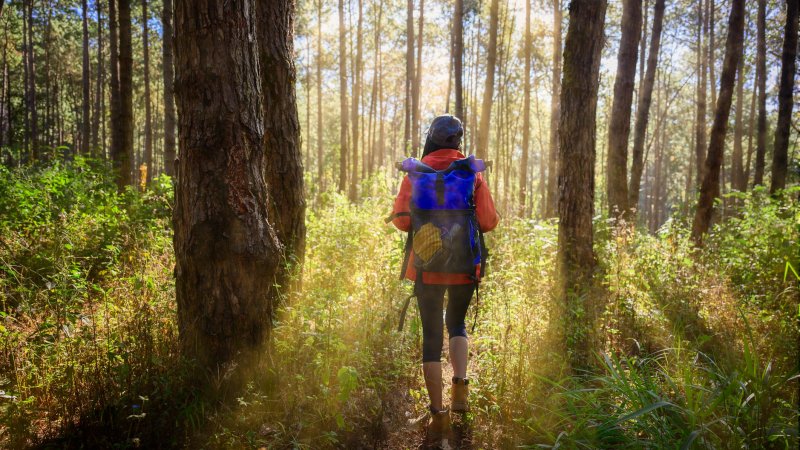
(401, 205)
(484, 206)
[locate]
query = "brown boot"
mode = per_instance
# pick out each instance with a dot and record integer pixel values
(438, 427)
(459, 394)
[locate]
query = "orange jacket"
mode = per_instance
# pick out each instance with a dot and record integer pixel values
(484, 209)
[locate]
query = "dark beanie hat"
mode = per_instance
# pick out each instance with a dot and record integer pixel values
(446, 131)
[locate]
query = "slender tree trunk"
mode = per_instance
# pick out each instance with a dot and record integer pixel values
(169, 90)
(582, 50)
(780, 155)
(415, 111)
(85, 118)
(126, 85)
(700, 121)
(709, 190)
(26, 138)
(643, 111)
(226, 250)
(551, 208)
(409, 91)
(712, 60)
(620, 125)
(482, 148)
(458, 58)
(343, 130)
(120, 158)
(320, 155)
(761, 70)
(357, 69)
(284, 167)
(737, 171)
(751, 127)
(148, 114)
(98, 100)
(526, 112)
(34, 121)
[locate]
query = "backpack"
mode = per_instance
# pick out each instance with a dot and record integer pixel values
(445, 234)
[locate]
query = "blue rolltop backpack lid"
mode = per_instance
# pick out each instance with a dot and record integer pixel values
(445, 234)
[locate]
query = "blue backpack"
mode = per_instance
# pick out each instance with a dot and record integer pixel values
(445, 234)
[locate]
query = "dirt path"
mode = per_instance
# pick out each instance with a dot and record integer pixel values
(404, 421)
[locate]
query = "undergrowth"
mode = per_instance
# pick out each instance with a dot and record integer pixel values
(697, 348)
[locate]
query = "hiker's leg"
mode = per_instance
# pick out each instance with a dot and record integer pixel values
(459, 297)
(429, 300)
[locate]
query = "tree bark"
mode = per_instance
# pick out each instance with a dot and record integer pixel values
(34, 121)
(551, 205)
(458, 58)
(780, 153)
(169, 90)
(643, 110)
(415, 111)
(709, 190)
(85, 118)
(712, 7)
(582, 50)
(284, 167)
(620, 125)
(343, 129)
(320, 155)
(125, 96)
(526, 113)
(481, 150)
(119, 158)
(737, 159)
(148, 114)
(761, 71)
(226, 250)
(99, 104)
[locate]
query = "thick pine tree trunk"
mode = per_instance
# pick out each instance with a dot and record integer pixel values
(226, 250)
(643, 110)
(526, 113)
(458, 58)
(709, 190)
(780, 155)
(481, 149)
(551, 203)
(284, 168)
(619, 127)
(343, 129)
(169, 90)
(761, 71)
(86, 89)
(582, 49)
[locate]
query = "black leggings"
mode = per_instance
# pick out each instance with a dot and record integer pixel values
(430, 299)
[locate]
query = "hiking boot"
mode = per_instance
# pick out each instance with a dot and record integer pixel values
(438, 427)
(459, 394)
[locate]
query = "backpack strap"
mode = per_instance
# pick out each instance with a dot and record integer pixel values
(407, 254)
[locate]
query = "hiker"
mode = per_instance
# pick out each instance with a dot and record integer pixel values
(441, 153)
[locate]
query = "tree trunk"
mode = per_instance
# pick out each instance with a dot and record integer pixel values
(415, 111)
(481, 149)
(284, 168)
(320, 155)
(126, 84)
(148, 114)
(119, 158)
(620, 125)
(526, 112)
(85, 118)
(97, 146)
(737, 171)
(780, 155)
(409, 91)
(343, 129)
(700, 121)
(712, 7)
(709, 190)
(169, 90)
(226, 250)
(354, 178)
(458, 58)
(551, 208)
(582, 50)
(761, 71)
(34, 121)
(643, 110)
